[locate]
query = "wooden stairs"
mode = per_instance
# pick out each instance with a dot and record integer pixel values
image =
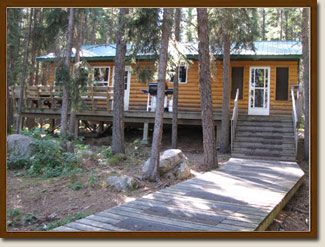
(265, 137)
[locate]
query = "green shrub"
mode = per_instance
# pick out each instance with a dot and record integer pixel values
(49, 159)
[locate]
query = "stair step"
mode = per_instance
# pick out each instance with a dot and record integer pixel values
(263, 129)
(266, 135)
(264, 145)
(264, 139)
(274, 124)
(263, 157)
(275, 151)
(265, 118)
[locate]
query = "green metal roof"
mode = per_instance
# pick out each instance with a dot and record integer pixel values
(263, 50)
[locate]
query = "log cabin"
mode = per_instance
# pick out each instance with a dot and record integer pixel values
(263, 87)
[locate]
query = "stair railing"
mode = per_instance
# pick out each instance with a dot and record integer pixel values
(234, 120)
(295, 113)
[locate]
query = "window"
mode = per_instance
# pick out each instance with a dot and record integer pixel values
(182, 75)
(101, 76)
(237, 75)
(282, 78)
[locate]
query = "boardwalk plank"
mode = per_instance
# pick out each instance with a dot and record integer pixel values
(244, 195)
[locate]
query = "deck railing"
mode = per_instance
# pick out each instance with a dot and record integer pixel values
(50, 97)
(296, 111)
(234, 120)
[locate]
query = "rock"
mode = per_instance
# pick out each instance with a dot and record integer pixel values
(183, 171)
(85, 154)
(123, 183)
(20, 145)
(169, 159)
(173, 164)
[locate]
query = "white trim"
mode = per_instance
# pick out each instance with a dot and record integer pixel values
(104, 82)
(265, 110)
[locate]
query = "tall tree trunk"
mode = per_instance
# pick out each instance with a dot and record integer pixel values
(93, 30)
(305, 60)
(286, 29)
(263, 24)
(34, 45)
(73, 112)
(209, 143)
(65, 98)
(118, 103)
(38, 51)
(85, 32)
(224, 140)
(281, 24)
(152, 174)
(22, 85)
(175, 89)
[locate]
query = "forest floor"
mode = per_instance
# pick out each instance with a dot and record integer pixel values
(37, 204)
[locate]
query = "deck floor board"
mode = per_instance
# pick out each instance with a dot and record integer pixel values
(241, 196)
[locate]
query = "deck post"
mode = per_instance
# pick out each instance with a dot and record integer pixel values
(101, 127)
(218, 133)
(76, 128)
(145, 133)
(52, 124)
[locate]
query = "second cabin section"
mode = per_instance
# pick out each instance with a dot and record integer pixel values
(264, 78)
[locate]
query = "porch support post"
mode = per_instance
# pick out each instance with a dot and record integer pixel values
(218, 133)
(145, 133)
(101, 127)
(76, 128)
(52, 125)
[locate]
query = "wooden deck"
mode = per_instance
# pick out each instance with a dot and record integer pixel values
(244, 195)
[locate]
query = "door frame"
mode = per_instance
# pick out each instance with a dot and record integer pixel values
(127, 92)
(259, 111)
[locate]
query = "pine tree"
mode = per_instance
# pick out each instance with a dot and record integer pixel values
(24, 75)
(152, 173)
(14, 18)
(175, 89)
(305, 60)
(232, 29)
(65, 97)
(118, 104)
(209, 144)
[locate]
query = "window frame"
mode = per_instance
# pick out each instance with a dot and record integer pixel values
(172, 81)
(93, 76)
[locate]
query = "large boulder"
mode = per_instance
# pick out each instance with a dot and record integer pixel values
(20, 145)
(122, 183)
(173, 164)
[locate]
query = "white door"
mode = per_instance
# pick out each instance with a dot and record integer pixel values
(259, 91)
(127, 82)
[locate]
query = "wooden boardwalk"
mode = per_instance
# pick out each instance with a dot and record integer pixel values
(244, 195)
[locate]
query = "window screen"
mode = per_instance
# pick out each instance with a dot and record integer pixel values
(237, 82)
(282, 77)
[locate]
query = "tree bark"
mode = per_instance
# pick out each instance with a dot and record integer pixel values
(224, 140)
(305, 60)
(209, 143)
(263, 24)
(65, 98)
(281, 24)
(77, 60)
(118, 103)
(175, 89)
(152, 173)
(22, 85)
